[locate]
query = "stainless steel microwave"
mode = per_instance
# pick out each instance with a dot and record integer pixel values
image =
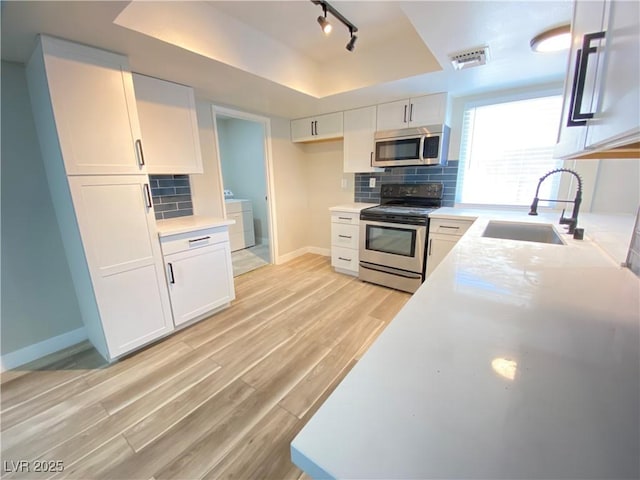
(412, 146)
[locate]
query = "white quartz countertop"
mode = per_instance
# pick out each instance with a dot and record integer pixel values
(513, 360)
(351, 207)
(173, 226)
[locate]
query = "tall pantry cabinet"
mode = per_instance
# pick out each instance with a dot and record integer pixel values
(85, 113)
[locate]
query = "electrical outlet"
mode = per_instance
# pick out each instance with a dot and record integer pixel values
(372, 182)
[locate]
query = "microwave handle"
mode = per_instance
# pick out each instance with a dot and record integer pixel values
(421, 151)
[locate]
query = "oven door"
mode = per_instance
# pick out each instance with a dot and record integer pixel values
(393, 245)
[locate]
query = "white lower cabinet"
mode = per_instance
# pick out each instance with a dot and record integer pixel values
(199, 272)
(443, 235)
(345, 233)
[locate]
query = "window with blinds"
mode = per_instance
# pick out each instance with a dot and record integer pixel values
(506, 147)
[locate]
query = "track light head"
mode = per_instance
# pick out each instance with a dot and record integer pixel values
(324, 24)
(352, 41)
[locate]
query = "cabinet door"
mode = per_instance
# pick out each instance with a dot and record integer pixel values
(393, 115)
(199, 281)
(117, 226)
(428, 110)
(94, 108)
(437, 249)
(302, 130)
(329, 126)
(618, 113)
(359, 131)
(587, 18)
(169, 126)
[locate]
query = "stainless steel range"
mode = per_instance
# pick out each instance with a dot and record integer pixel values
(393, 235)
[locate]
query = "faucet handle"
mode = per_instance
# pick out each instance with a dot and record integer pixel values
(563, 220)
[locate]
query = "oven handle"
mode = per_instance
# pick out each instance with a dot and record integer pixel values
(407, 226)
(392, 271)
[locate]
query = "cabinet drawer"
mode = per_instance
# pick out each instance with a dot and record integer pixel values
(449, 227)
(343, 235)
(345, 217)
(345, 258)
(191, 240)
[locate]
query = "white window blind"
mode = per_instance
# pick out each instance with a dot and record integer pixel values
(506, 147)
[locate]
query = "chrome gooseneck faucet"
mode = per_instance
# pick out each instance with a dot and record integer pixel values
(573, 221)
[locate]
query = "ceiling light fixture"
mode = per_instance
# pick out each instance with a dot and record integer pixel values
(553, 40)
(324, 23)
(326, 26)
(352, 41)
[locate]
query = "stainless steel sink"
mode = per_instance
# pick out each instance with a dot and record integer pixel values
(527, 232)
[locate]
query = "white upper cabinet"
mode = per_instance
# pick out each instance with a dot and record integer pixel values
(359, 131)
(118, 231)
(601, 92)
(320, 127)
(618, 117)
(169, 126)
(413, 112)
(94, 107)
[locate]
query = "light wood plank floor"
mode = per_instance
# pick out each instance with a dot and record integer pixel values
(220, 399)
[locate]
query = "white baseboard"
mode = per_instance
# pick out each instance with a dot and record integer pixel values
(325, 252)
(41, 349)
(291, 255)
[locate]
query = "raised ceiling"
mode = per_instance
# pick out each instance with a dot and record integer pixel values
(271, 57)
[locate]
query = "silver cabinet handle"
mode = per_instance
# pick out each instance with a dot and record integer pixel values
(199, 239)
(344, 236)
(312, 134)
(147, 195)
(405, 114)
(371, 159)
(447, 226)
(430, 243)
(140, 152)
(411, 113)
(345, 259)
(344, 218)
(172, 279)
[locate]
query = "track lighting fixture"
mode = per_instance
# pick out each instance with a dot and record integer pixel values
(352, 41)
(326, 26)
(324, 23)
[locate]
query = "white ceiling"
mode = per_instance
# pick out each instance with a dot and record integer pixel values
(270, 57)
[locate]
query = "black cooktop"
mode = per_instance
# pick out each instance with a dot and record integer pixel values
(405, 203)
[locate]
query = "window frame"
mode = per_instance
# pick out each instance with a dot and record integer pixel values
(495, 99)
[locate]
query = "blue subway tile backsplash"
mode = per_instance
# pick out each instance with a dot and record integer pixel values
(447, 175)
(171, 196)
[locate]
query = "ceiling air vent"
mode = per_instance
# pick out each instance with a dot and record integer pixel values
(470, 58)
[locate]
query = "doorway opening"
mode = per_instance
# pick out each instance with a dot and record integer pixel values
(244, 157)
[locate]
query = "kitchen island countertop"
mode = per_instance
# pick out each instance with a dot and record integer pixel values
(513, 360)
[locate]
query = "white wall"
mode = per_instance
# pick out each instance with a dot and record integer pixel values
(291, 189)
(324, 163)
(38, 298)
(617, 186)
(206, 188)
(243, 169)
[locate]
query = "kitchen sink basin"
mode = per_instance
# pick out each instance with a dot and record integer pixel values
(527, 232)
